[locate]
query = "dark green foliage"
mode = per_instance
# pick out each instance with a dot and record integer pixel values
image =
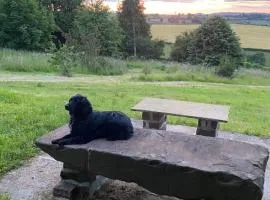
(132, 12)
(180, 49)
(63, 11)
(257, 58)
(137, 40)
(227, 67)
(25, 25)
(96, 31)
(208, 44)
(149, 49)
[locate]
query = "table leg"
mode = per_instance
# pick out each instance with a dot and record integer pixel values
(207, 128)
(154, 120)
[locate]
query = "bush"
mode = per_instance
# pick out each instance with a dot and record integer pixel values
(147, 69)
(179, 52)
(64, 59)
(257, 58)
(208, 44)
(252, 65)
(148, 49)
(226, 67)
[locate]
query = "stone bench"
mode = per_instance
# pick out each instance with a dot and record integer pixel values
(155, 111)
(166, 163)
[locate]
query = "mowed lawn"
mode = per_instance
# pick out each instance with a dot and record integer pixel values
(251, 36)
(28, 110)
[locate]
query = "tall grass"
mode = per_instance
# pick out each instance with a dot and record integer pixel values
(103, 66)
(23, 61)
(171, 71)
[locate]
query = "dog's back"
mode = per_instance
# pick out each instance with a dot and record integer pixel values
(112, 125)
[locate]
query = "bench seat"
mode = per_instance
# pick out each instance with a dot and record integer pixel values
(155, 111)
(173, 164)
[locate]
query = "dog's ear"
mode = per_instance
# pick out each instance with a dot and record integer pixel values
(87, 107)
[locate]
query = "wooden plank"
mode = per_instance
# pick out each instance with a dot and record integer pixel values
(184, 108)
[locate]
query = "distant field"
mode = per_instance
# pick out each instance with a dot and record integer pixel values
(251, 36)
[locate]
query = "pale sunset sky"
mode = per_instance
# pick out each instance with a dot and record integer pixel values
(201, 6)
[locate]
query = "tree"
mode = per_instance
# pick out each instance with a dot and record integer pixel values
(132, 20)
(63, 11)
(25, 25)
(97, 31)
(213, 40)
(180, 49)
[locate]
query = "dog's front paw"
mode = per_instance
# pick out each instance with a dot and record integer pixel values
(55, 141)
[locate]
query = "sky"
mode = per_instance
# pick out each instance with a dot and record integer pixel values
(201, 6)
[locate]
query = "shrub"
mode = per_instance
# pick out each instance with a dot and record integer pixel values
(226, 67)
(208, 44)
(180, 48)
(147, 69)
(149, 49)
(252, 65)
(258, 58)
(65, 60)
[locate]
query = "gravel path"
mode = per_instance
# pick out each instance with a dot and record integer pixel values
(35, 180)
(51, 78)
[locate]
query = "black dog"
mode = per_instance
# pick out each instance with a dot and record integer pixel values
(87, 125)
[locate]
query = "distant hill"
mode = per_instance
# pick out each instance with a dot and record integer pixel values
(236, 18)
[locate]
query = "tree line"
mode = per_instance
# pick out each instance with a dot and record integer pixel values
(41, 24)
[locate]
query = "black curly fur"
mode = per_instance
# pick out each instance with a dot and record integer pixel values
(87, 125)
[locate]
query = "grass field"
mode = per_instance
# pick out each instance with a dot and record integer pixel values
(251, 36)
(30, 109)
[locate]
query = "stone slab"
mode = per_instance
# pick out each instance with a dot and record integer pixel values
(184, 108)
(75, 155)
(184, 166)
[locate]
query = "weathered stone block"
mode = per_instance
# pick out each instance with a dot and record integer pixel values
(158, 117)
(146, 115)
(184, 166)
(207, 128)
(175, 164)
(71, 190)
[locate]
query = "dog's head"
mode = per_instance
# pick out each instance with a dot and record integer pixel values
(79, 107)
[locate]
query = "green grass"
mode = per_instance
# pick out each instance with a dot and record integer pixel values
(24, 61)
(28, 110)
(4, 196)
